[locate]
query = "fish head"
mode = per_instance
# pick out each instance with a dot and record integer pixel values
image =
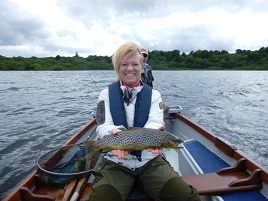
(174, 143)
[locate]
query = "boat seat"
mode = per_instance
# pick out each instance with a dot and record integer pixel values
(219, 178)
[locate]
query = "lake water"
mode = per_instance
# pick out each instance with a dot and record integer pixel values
(41, 110)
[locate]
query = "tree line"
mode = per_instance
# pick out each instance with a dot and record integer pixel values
(159, 60)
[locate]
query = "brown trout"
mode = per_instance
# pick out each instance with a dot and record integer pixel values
(133, 139)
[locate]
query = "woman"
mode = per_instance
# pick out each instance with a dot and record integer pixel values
(129, 103)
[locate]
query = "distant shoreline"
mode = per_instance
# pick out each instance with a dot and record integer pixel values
(159, 60)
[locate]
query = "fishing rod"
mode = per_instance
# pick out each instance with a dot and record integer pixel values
(94, 83)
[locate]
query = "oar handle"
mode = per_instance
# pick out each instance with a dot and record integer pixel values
(79, 188)
(70, 189)
(75, 196)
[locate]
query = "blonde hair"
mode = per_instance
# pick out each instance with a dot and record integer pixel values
(127, 49)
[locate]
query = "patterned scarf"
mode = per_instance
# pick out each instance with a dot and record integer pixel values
(129, 93)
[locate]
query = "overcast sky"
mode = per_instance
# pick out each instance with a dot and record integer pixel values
(45, 28)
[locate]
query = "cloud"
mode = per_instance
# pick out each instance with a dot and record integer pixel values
(54, 27)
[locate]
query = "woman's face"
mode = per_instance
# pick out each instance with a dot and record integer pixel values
(130, 70)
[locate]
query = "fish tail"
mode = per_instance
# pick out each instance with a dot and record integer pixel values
(91, 149)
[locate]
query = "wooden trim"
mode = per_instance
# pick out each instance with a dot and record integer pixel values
(225, 148)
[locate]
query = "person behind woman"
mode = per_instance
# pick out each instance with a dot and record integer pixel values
(128, 103)
(147, 74)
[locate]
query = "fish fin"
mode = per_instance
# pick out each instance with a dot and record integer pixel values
(91, 149)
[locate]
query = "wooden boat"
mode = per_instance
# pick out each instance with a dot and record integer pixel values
(217, 169)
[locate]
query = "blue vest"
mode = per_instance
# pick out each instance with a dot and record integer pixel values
(142, 106)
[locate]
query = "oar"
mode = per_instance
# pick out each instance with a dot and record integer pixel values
(79, 188)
